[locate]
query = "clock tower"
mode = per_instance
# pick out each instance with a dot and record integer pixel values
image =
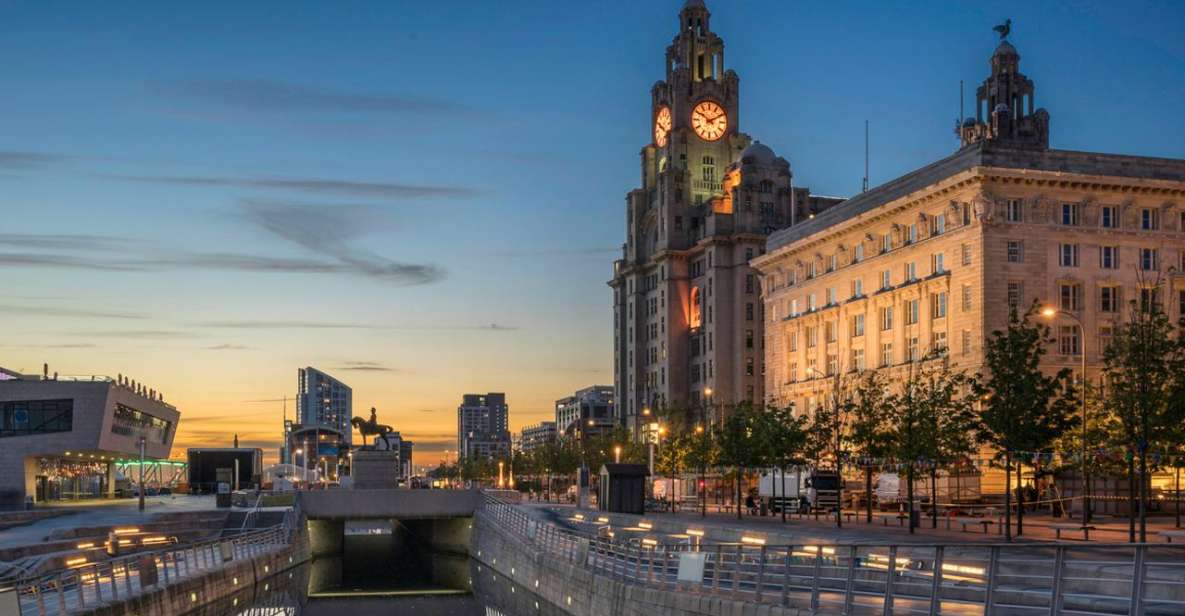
(687, 308)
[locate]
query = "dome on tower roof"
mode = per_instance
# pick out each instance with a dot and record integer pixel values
(758, 153)
(694, 4)
(1005, 49)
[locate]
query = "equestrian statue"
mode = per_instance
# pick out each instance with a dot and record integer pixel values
(372, 427)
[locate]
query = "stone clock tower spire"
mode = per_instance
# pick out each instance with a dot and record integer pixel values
(687, 322)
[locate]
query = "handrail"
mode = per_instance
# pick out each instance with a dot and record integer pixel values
(87, 585)
(1110, 578)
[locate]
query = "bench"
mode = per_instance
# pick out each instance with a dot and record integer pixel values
(983, 522)
(1169, 534)
(1085, 529)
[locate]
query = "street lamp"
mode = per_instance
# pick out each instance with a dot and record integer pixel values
(617, 454)
(500, 473)
(703, 471)
(1050, 312)
(303, 473)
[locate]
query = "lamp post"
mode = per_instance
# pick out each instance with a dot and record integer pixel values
(703, 482)
(1050, 312)
(617, 454)
(500, 463)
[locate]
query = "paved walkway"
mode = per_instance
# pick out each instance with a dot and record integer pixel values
(885, 527)
(106, 512)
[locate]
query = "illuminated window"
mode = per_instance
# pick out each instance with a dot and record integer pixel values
(696, 315)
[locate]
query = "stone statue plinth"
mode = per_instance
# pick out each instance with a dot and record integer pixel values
(374, 470)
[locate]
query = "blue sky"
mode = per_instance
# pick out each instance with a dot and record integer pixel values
(425, 198)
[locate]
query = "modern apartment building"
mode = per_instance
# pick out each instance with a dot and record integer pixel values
(323, 402)
(537, 435)
(588, 412)
(483, 426)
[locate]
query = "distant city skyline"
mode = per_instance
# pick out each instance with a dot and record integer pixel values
(425, 201)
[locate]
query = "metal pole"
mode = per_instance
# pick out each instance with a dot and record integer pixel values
(141, 473)
(1085, 468)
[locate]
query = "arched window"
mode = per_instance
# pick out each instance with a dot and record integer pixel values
(695, 318)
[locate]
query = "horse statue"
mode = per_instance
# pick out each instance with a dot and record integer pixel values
(1004, 29)
(372, 427)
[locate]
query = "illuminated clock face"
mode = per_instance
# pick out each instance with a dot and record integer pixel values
(709, 120)
(662, 126)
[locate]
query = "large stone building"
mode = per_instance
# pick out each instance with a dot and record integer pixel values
(937, 258)
(60, 438)
(483, 426)
(687, 312)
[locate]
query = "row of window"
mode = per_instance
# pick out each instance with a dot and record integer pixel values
(909, 274)
(887, 358)
(1068, 255)
(911, 312)
(1071, 215)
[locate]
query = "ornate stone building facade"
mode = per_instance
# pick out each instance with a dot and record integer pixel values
(938, 257)
(687, 309)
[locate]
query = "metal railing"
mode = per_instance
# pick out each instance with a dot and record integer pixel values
(980, 579)
(85, 586)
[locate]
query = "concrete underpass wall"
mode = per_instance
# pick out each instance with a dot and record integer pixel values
(580, 592)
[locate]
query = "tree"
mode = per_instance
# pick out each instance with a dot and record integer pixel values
(1142, 367)
(1022, 408)
(702, 453)
(870, 430)
(949, 417)
(736, 444)
(784, 437)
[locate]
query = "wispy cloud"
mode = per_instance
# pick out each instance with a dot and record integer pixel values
(137, 334)
(343, 325)
(60, 311)
(228, 347)
(557, 252)
(365, 366)
(263, 95)
(58, 261)
(17, 160)
(316, 186)
(57, 241)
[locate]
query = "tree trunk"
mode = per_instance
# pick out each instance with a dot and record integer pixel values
(738, 480)
(1143, 494)
(838, 491)
(868, 493)
(934, 496)
(909, 496)
(784, 499)
(1131, 500)
(1177, 495)
(1020, 499)
(1008, 496)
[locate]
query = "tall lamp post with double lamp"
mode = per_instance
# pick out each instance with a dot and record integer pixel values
(1050, 312)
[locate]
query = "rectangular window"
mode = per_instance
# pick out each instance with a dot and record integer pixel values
(793, 342)
(857, 287)
(886, 242)
(1105, 334)
(1109, 217)
(1071, 214)
(1109, 257)
(1181, 304)
(1016, 292)
(857, 325)
(1108, 299)
(1014, 211)
(913, 234)
(939, 342)
(1016, 251)
(831, 327)
(830, 296)
(858, 253)
(812, 337)
(940, 224)
(810, 270)
(1068, 342)
(132, 422)
(832, 263)
(911, 312)
(966, 254)
(1150, 299)
(966, 342)
(793, 372)
(1149, 219)
(911, 349)
(911, 271)
(750, 283)
(22, 418)
(966, 297)
(810, 302)
(938, 305)
(749, 311)
(886, 354)
(748, 338)
(886, 280)
(748, 366)
(936, 263)
(832, 364)
(858, 359)
(886, 318)
(1148, 259)
(1068, 255)
(1071, 296)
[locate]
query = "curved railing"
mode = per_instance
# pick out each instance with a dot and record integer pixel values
(955, 578)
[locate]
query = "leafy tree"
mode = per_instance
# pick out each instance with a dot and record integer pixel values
(1022, 408)
(1142, 367)
(737, 446)
(702, 454)
(783, 437)
(870, 431)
